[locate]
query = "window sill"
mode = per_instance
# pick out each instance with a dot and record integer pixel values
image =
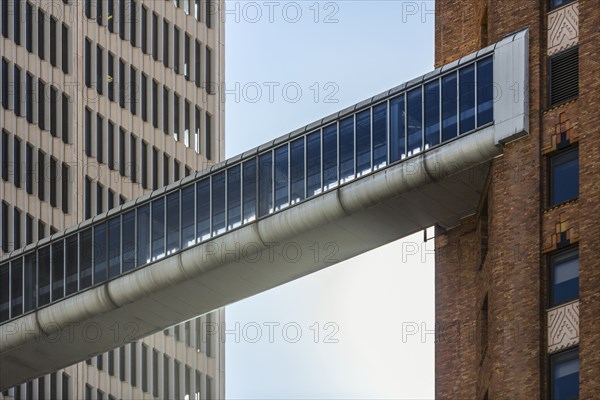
(565, 103)
(560, 205)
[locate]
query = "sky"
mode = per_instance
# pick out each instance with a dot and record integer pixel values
(357, 329)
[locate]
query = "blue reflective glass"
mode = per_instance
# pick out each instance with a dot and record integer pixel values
(129, 241)
(281, 177)
(16, 287)
(234, 196)
(432, 114)
(43, 276)
(158, 229)
(218, 203)
(414, 121)
(86, 256)
(565, 374)
(31, 280)
(114, 246)
(100, 254)
(249, 190)
(297, 170)
(346, 146)
(265, 184)
(363, 142)
(203, 209)
(4, 292)
(188, 219)
(564, 170)
(143, 235)
(380, 135)
(72, 260)
(397, 129)
(330, 159)
(485, 91)
(564, 275)
(449, 106)
(467, 98)
(173, 229)
(58, 270)
(313, 164)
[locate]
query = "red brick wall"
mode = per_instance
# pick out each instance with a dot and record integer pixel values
(511, 275)
(589, 198)
(521, 227)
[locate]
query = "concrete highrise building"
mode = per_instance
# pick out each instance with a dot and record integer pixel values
(103, 102)
(517, 300)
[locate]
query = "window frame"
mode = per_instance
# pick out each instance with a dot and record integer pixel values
(560, 357)
(551, 264)
(550, 202)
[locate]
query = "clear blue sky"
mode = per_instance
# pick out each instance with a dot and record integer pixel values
(288, 64)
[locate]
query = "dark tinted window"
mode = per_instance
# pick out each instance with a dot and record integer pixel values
(564, 176)
(564, 277)
(564, 375)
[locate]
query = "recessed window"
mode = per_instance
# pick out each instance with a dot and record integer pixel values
(155, 112)
(65, 49)
(198, 71)
(122, 19)
(564, 276)
(5, 159)
(133, 90)
(143, 95)
(17, 90)
(165, 43)
(122, 363)
(133, 158)
(133, 361)
(110, 142)
(88, 63)
(132, 22)
(176, 39)
(53, 182)
(155, 36)
(111, 16)
(53, 41)
(88, 131)
(208, 70)
(186, 57)
(5, 18)
(17, 161)
(41, 175)
(29, 27)
(122, 80)
(65, 188)
(564, 375)
(563, 76)
(41, 34)
(144, 23)
(99, 70)
(166, 376)
(563, 177)
(5, 84)
(111, 76)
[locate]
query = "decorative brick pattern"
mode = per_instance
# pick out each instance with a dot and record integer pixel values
(563, 235)
(563, 327)
(563, 28)
(564, 134)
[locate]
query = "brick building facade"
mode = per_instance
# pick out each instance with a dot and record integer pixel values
(503, 335)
